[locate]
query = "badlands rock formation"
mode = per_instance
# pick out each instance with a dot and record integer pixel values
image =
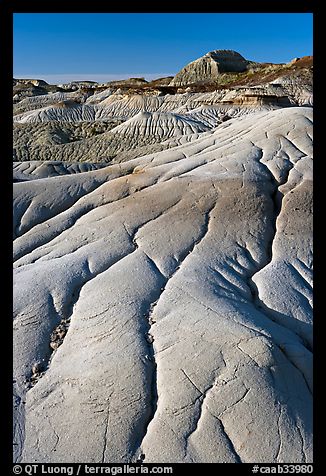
(163, 272)
(69, 131)
(209, 67)
(78, 125)
(163, 305)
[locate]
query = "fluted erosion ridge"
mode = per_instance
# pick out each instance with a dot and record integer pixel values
(163, 304)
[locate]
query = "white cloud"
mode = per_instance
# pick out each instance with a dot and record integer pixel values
(99, 78)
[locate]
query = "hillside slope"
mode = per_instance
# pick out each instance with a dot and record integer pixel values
(163, 305)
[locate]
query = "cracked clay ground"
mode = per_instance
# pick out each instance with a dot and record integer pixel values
(163, 306)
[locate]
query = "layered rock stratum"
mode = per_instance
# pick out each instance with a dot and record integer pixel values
(163, 277)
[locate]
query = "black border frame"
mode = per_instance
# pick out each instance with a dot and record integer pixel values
(7, 9)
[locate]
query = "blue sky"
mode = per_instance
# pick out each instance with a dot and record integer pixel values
(60, 47)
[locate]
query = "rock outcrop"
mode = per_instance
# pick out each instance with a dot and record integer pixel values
(34, 82)
(163, 305)
(209, 66)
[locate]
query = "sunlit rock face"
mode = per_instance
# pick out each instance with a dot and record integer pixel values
(209, 66)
